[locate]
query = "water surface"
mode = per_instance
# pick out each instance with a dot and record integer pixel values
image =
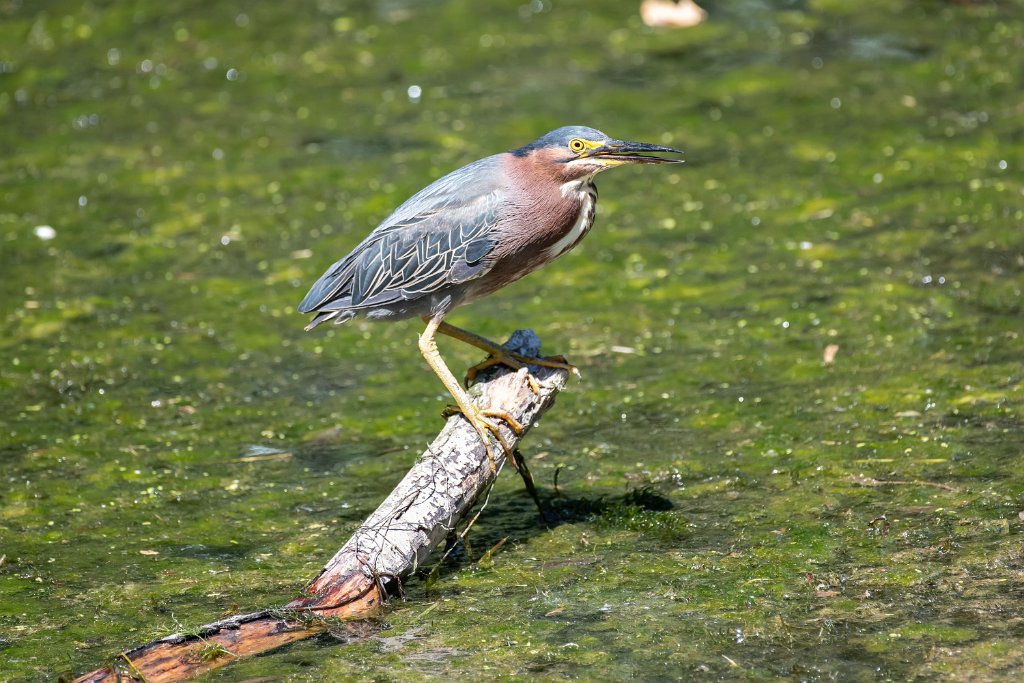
(175, 447)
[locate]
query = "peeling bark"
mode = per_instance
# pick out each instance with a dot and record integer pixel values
(437, 493)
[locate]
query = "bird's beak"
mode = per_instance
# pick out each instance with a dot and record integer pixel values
(615, 152)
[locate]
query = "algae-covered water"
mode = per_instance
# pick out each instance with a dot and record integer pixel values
(796, 450)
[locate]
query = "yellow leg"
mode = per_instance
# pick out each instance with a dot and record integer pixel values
(476, 416)
(501, 355)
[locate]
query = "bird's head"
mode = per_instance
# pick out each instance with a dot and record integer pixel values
(578, 151)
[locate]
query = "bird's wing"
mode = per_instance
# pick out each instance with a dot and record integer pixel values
(440, 236)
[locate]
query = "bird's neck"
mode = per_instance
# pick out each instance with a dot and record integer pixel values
(583, 191)
(581, 188)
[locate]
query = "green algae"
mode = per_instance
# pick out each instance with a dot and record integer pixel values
(729, 504)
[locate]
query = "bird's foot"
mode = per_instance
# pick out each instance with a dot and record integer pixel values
(517, 361)
(481, 420)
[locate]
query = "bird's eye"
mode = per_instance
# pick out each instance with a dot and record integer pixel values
(577, 145)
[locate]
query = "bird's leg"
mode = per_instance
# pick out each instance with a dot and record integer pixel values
(476, 416)
(501, 355)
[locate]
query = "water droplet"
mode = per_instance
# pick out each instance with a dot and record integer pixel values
(414, 92)
(232, 74)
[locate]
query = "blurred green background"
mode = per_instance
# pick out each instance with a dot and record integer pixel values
(174, 175)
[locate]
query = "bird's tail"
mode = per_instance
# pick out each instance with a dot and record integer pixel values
(338, 317)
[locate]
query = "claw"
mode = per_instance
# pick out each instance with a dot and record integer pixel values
(480, 422)
(560, 362)
(516, 362)
(483, 425)
(532, 381)
(513, 423)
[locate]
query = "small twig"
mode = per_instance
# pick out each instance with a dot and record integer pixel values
(461, 536)
(489, 555)
(531, 488)
(864, 480)
(426, 611)
(122, 659)
(258, 458)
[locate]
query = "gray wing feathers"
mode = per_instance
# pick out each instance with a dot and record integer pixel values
(437, 237)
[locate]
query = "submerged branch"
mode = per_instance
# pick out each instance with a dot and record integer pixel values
(437, 493)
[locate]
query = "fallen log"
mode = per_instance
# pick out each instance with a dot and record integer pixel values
(438, 493)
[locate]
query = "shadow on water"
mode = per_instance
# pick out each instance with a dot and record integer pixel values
(644, 511)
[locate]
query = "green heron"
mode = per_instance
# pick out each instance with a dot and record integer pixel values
(468, 235)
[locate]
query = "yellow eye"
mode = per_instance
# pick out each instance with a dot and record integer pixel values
(577, 145)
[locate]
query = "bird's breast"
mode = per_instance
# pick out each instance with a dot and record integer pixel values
(585, 193)
(542, 228)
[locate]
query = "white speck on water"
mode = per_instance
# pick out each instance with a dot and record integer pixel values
(83, 200)
(232, 74)
(225, 240)
(806, 245)
(156, 403)
(414, 92)
(1002, 164)
(836, 103)
(45, 232)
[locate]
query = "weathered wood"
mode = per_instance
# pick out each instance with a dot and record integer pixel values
(437, 493)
